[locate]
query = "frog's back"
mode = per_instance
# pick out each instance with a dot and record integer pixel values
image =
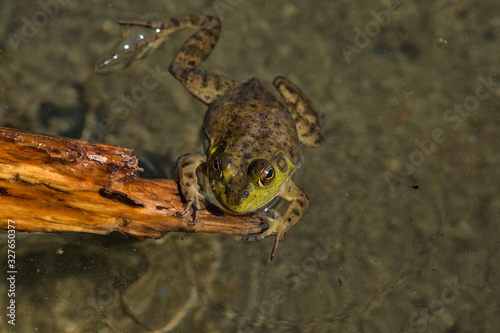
(251, 120)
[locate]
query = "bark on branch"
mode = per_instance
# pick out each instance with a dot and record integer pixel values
(56, 184)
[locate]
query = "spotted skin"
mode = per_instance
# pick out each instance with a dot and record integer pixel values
(252, 138)
(188, 182)
(303, 112)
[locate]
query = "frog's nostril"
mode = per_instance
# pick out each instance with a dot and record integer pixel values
(245, 194)
(227, 191)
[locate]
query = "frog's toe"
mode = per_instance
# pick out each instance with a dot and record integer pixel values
(256, 238)
(280, 233)
(271, 230)
(194, 204)
(279, 236)
(276, 227)
(275, 214)
(262, 217)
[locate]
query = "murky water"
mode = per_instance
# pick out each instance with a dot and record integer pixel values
(403, 230)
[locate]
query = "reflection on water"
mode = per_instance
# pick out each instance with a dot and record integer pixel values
(415, 251)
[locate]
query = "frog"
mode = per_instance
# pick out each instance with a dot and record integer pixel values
(252, 138)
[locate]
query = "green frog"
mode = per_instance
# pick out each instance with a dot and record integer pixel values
(252, 137)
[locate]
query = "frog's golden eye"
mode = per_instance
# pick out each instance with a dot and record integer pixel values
(220, 164)
(261, 173)
(216, 164)
(216, 167)
(267, 176)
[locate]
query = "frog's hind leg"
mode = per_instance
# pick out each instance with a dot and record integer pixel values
(205, 86)
(303, 112)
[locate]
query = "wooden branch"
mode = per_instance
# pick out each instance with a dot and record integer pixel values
(56, 184)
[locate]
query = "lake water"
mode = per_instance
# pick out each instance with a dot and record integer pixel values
(402, 234)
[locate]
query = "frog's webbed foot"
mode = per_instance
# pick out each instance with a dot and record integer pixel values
(273, 222)
(141, 38)
(276, 227)
(195, 205)
(138, 39)
(303, 112)
(279, 226)
(186, 169)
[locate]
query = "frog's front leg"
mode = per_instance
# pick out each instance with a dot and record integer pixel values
(279, 226)
(186, 169)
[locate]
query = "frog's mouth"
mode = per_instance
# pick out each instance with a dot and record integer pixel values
(211, 198)
(226, 199)
(244, 201)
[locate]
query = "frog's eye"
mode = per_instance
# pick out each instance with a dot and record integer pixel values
(267, 176)
(216, 164)
(261, 172)
(217, 167)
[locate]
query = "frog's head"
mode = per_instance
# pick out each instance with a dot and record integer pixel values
(243, 185)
